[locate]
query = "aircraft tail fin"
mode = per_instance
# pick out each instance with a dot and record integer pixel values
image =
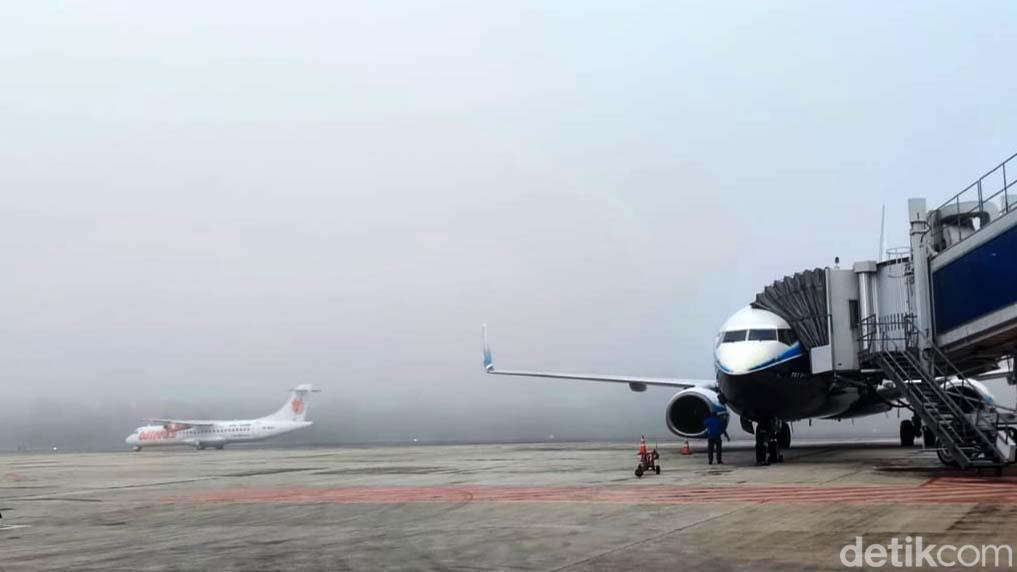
(295, 408)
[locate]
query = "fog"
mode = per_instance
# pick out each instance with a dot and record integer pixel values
(205, 204)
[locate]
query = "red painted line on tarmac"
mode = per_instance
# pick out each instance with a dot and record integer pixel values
(937, 491)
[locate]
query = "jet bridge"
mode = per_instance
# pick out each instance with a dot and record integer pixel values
(956, 319)
(971, 248)
(930, 318)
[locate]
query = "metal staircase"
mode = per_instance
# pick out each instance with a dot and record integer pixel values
(967, 432)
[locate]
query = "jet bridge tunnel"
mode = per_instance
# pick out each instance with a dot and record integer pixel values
(973, 286)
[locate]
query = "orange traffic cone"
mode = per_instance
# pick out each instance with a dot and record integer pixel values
(686, 449)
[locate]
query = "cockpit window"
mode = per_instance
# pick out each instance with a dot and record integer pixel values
(787, 336)
(762, 335)
(734, 336)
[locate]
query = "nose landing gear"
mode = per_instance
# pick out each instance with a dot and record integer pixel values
(771, 437)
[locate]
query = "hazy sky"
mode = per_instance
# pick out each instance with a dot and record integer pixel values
(206, 203)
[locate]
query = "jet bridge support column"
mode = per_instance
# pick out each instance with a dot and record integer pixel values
(867, 305)
(917, 216)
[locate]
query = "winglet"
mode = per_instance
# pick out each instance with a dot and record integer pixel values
(488, 361)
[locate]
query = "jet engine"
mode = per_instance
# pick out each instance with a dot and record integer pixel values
(688, 409)
(970, 395)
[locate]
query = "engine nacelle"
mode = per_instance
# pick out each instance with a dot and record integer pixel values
(688, 409)
(970, 395)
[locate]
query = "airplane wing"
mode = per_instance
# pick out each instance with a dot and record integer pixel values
(993, 375)
(635, 383)
(189, 422)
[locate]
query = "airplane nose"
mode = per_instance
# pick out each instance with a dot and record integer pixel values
(743, 357)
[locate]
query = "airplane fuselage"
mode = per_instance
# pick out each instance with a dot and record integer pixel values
(216, 435)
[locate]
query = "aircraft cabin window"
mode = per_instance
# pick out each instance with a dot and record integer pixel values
(786, 336)
(734, 336)
(762, 335)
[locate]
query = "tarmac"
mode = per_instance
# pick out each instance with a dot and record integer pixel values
(547, 507)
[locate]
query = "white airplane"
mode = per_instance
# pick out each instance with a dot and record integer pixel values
(763, 375)
(201, 434)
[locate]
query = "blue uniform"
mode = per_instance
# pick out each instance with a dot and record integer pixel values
(715, 429)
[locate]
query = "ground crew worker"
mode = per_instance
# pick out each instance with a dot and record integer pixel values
(716, 427)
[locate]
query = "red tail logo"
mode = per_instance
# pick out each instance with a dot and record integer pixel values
(297, 406)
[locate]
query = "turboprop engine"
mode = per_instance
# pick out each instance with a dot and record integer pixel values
(688, 409)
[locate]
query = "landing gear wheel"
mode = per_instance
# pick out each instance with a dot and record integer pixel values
(773, 451)
(761, 440)
(657, 469)
(928, 438)
(945, 457)
(219, 447)
(136, 448)
(907, 433)
(784, 437)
